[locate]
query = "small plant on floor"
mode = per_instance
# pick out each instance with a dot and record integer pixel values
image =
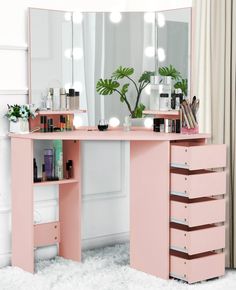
(111, 85)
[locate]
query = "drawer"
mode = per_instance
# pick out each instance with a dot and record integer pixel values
(193, 156)
(196, 212)
(200, 183)
(198, 267)
(197, 240)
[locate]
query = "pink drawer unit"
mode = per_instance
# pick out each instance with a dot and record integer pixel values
(197, 240)
(194, 156)
(46, 234)
(197, 212)
(198, 267)
(200, 183)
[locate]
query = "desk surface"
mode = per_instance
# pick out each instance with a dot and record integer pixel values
(117, 134)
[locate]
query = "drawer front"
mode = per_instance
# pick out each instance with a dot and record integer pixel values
(197, 241)
(198, 213)
(46, 234)
(198, 185)
(198, 157)
(198, 269)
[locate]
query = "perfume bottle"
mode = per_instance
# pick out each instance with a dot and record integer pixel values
(49, 101)
(154, 93)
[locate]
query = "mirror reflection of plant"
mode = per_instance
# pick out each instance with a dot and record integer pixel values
(109, 86)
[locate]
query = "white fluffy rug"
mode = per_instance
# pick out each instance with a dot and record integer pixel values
(102, 269)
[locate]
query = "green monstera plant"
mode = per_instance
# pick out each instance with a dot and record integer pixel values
(111, 85)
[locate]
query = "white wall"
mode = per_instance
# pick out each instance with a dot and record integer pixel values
(105, 206)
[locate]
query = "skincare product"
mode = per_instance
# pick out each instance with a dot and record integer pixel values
(173, 101)
(168, 126)
(164, 102)
(35, 170)
(48, 161)
(127, 123)
(70, 99)
(173, 129)
(102, 125)
(63, 99)
(58, 159)
(68, 123)
(67, 102)
(76, 101)
(177, 126)
(49, 101)
(156, 125)
(154, 93)
(62, 123)
(43, 124)
(43, 173)
(56, 99)
(50, 125)
(69, 169)
(165, 88)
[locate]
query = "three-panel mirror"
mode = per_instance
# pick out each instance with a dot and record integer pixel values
(74, 50)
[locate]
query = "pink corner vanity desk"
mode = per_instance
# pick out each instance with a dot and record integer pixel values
(177, 209)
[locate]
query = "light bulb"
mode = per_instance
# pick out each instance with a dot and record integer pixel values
(149, 51)
(161, 20)
(161, 54)
(149, 17)
(114, 122)
(67, 53)
(115, 17)
(67, 16)
(148, 123)
(77, 53)
(78, 121)
(77, 17)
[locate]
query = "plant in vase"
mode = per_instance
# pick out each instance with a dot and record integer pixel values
(111, 85)
(19, 116)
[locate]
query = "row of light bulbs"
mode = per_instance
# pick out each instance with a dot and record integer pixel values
(113, 122)
(116, 17)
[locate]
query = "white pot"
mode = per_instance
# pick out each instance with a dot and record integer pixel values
(137, 122)
(20, 127)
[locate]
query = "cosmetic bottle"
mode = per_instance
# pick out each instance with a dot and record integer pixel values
(56, 99)
(177, 126)
(164, 102)
(58, 159)
(48, 161)
(127, 123)
(76, 101)
(43, 124)
(50, 125)
(168, 126)
(165, 89)
(173, 126)
(43, 173)
(179, 98)
(69, 169)
(173, 100)
(154, 93)
(63, 99)
(49, 101)
(70, 99)
(35, 170)
(156, 125)
(162, 125)
(68, 123)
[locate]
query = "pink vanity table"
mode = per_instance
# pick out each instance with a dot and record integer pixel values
(177, 207)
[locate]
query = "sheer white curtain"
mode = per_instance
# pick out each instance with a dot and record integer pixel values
(214, 83)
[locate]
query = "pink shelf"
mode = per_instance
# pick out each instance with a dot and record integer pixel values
(64, 181)
(161, 113)
(64, 112)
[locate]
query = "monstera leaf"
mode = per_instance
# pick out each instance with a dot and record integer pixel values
(106, 87)
(170, 71)
(122, 72)
(145, 77)
(183, 85)
(138, 113)
(123, 91)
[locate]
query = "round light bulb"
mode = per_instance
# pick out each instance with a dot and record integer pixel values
(148, 123)
(77, 17)
(115, 17)
(149, 17)
(150, 51)
(161, 20)
(77, 53)
(114, 122)
(161, 54)
(78, 121)
(67, 53)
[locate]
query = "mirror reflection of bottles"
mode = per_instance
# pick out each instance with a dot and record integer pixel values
(154, 93)
(165, 93)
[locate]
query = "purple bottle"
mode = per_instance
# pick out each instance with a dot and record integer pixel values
(48, 161)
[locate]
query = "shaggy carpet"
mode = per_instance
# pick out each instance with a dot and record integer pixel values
(102, 269)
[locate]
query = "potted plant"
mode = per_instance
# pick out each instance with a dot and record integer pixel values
(19, 116)
(111, 85)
